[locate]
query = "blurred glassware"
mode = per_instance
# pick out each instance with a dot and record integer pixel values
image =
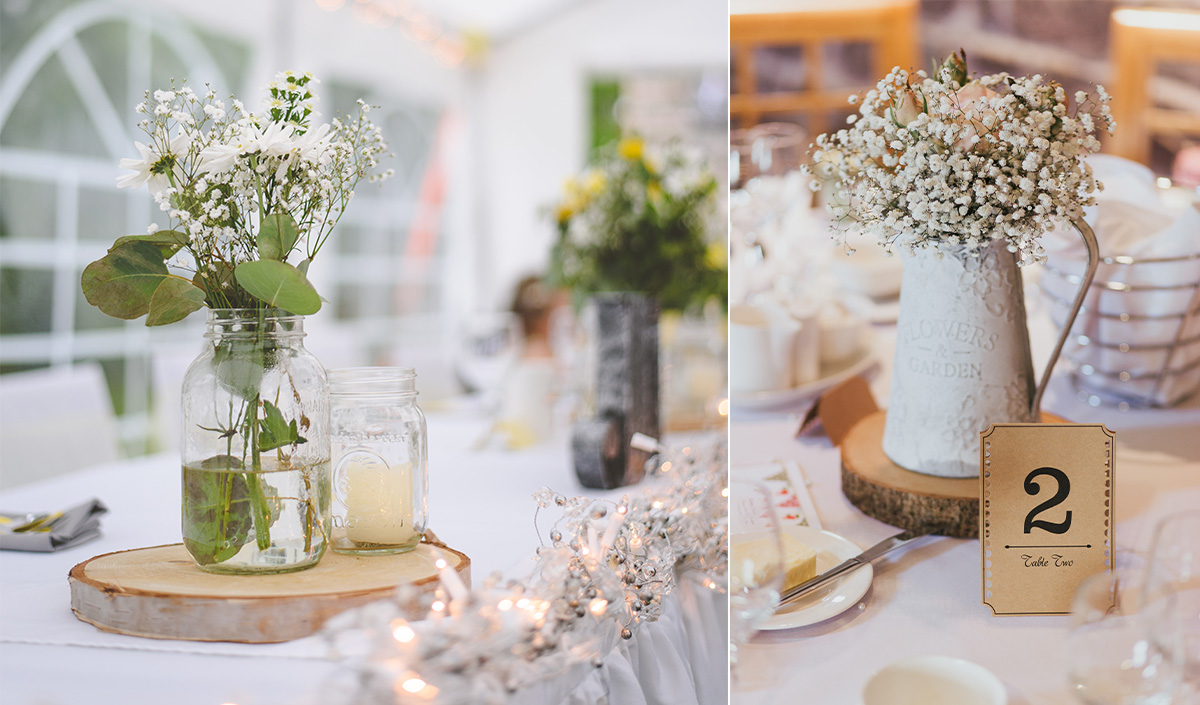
(776, 147)
(694, 368)
(756, 569)
(1117, 652)
(380, 461)
(489, 344)
(740, 166)
(1173, 578)
(1185, 170)
(767, 149)
(568, 345)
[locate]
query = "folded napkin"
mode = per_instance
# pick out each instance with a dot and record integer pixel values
(1122, 337)
(54, 531)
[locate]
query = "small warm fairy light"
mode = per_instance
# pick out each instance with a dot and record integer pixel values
(666, 467)
(723, 407)
(403, 632)
(725, 492)
(504, 605)
(440, 563)
(450, 50)
(1162, 182)
(584, 550)
(683, 510)
(657, 504)
(597, 606)
(368, 13)
(437, 606)
(425, 28)
(523, 603)
(413, 685)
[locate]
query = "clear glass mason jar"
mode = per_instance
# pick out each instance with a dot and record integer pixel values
(380, 466)
(255, 450)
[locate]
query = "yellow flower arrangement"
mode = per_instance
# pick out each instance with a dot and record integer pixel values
(640, 221)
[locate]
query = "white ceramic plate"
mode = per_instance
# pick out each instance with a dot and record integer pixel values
(831, 376)
(833, 599)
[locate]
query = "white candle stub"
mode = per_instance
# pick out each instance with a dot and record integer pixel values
(645, 443)
(614, 525)
(449, 577)
(378, 499)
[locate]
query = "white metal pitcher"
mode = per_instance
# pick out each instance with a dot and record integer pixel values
(962, 356)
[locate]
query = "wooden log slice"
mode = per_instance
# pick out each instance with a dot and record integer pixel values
(902, 498)
(158, 592)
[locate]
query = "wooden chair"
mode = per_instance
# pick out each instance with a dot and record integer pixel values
(1141, 38)
(888, 26)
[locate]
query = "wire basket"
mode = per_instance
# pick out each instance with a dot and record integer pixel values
(1136, 342)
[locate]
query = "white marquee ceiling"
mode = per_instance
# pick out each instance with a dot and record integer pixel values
(497, 19)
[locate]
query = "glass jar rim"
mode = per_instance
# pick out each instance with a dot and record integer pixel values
(372, 381)
(253, 324)
(241, 314)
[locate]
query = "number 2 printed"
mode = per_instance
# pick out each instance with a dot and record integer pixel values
(1032, 488)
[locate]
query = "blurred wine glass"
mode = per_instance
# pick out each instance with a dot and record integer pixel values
(756, 570)
(1173, 578)
(766, 149)
(489, 344)
(1117, 653)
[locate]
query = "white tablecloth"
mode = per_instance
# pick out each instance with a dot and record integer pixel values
(480, 503)
(926, 599)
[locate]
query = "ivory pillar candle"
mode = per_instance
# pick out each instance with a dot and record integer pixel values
(378, 498)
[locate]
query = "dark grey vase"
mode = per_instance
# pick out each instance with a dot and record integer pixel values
(626, 392)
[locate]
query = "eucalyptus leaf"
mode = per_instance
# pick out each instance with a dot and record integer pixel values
(122, 282)
(280, 285)
(275, 432)
(168, 241)
(216, 509)
(173, 300)
(239, 366)
(277, 235)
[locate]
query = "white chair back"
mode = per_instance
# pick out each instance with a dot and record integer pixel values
(53, 421)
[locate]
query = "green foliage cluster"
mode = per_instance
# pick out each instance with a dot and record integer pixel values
(640, 223)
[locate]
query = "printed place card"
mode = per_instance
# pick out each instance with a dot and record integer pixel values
(1046, 518)
(791, 498)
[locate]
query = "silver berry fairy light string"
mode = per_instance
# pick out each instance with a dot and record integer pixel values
(606, 570)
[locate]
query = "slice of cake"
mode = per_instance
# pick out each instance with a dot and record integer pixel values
(753, 558)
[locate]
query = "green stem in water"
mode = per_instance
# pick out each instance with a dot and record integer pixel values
(258, 501)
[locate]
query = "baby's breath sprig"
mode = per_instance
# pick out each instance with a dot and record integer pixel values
(953, 163)
(244, 194)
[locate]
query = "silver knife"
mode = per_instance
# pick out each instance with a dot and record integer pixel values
(885, 546)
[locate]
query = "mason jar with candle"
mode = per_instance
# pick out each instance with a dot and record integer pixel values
(380, 471)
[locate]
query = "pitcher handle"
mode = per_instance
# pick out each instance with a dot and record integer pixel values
(1093, 251)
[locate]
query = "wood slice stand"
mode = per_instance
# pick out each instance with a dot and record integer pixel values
(903, 498)
(158, 592)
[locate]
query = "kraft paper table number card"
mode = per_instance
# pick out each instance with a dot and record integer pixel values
(1046, 514)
